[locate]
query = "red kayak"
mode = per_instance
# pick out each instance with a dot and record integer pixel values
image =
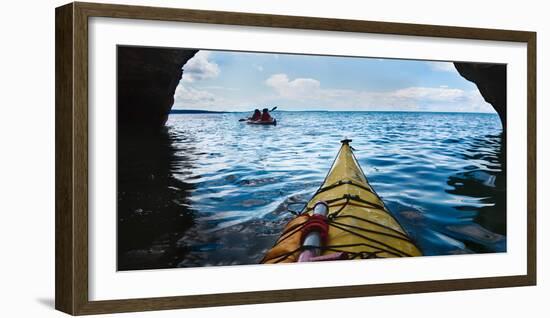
(262, 122)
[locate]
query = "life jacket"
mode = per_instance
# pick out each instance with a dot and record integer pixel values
(266, 117)
(256, 116)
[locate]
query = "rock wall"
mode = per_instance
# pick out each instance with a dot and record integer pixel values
(491, 82)
(147, 79)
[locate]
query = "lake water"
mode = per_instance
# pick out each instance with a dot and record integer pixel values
(227, 186)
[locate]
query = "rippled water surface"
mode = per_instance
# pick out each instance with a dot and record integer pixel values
(227, 186)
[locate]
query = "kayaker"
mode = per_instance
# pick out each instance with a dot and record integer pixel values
(265, 115)
(256, 116)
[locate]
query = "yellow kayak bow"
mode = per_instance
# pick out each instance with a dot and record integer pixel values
(357, 223)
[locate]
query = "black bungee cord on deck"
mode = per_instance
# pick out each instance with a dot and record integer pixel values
(332, 221)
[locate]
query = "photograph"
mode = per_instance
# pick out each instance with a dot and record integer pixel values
(229, 158)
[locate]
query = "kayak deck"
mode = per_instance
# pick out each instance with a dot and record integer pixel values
(260, 122)
(359, 224)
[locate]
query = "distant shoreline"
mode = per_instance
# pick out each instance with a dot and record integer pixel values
(200, 111)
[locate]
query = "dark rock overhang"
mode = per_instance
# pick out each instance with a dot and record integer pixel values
(147, 79)
(490, 79)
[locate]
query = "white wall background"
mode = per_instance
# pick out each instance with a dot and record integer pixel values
(27, 158)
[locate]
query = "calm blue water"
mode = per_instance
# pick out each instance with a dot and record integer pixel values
(440, 174)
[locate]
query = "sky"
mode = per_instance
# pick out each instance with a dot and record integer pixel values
(242, 81)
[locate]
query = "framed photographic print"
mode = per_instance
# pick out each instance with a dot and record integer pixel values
(211, 158)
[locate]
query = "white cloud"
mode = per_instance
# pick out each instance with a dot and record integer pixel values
(308, 91)
(297, 88)
(442, 66)
(438, 94)
(208, 98)
(309, 88)
(220, 88)
(476, 103)
(188, 96)
(200, 68)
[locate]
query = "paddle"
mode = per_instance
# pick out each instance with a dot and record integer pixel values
(272, 109)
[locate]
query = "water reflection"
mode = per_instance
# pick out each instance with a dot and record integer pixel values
(153, 205)
(479, 197)
(488, 185)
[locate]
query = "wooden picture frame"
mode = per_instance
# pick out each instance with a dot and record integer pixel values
(72, 280)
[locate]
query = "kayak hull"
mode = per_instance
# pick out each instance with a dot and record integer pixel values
(259, 122)
(359, 224)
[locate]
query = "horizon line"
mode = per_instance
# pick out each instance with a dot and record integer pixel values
(329, 110)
